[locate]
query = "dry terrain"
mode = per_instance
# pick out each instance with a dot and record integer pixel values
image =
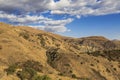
(30, 54)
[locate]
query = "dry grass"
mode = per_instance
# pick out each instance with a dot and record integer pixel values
(62, 58)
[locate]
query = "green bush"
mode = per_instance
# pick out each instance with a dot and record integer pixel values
(74, 76)
(33, 64)
(61, 74)
(11, 69)
(44, 77)
(84, 79)
(27, 73)
(25, 35)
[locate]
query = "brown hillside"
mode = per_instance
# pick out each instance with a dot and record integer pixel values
(24, 50)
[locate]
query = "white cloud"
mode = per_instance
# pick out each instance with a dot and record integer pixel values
(87, 7)
(55, 25)
(53, 28)
(72, 7)
(47, 24)
(24, 5)
(75, 8)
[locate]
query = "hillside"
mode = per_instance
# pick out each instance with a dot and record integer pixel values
(24, 50)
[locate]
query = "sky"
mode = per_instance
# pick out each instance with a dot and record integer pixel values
(73, 18)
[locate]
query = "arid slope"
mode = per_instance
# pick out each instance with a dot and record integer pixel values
(59, 57)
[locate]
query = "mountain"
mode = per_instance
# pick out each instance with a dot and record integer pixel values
(30, 54)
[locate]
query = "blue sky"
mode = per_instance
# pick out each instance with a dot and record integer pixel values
(74, 18)
(106, 25)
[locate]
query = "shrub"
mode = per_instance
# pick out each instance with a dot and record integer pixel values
(108, 70)
(33, 64)
(11, 69)
(25, 35)
(84, 79)
(67, 64)
(114, 69)
(61, 74)
(44, 77)
(71, 71)
(74, 76)
(0, 47)
(27, 73)
(28, 70)
(92, 64)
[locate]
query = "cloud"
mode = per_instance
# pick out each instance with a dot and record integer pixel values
(24, 5)
(53, 28)
(72, 7)
(55, 25)
(86, 7)
(31, 12)
(48, 24)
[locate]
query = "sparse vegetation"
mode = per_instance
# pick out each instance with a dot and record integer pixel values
(44, 77)
(108, 70)
(0, 47)
(1, 32)
(114, 69)
(27, 70)
(52, 54)
(67, 64)
(61, 74)
(25, 35)
(71, 71)
(63, 58)
(42, 40)
(11, 69)
(81, 62)
(92, 64)
(97, 61)
(26, 73)
(32, 64)
(74, 76)
(84, 79)
(109, 54)
(118, 66)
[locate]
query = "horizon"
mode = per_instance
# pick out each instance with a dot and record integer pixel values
(61, 34)
(78, 18)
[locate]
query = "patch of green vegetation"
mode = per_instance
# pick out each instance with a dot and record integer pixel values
(27, 70)
(26, 73)
(44, 77)
(67, 64)
(84, 79)
(113, 55)
(60, 74)
(42, 40)
(25, 35)
(52, 54)
(32, 64)
(107, 70)
(114, 69)
(71, 71)
(92, 64)
(11, 69)
(74, 76)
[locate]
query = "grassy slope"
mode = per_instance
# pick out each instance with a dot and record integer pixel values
(61, 57)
